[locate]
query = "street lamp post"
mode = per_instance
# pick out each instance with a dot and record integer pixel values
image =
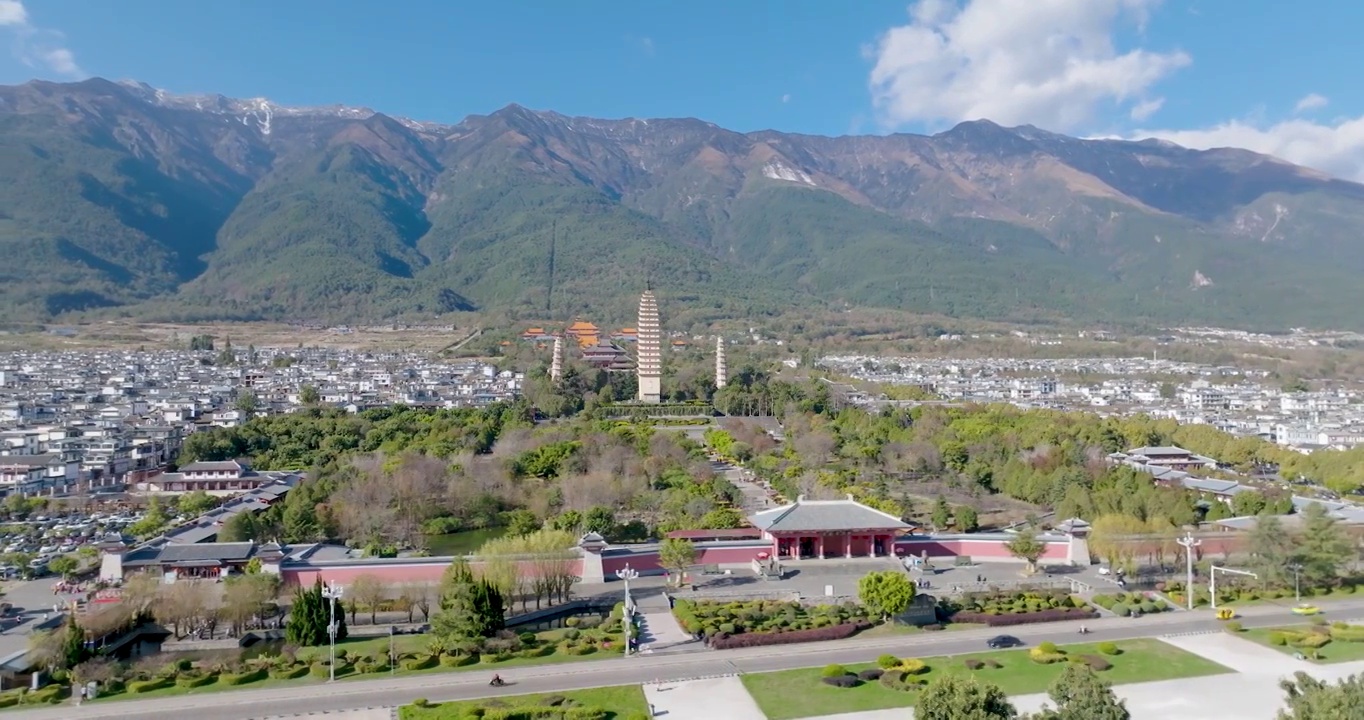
(1212, 572)
(627, 574)
(332, 592)
(1297, 586)
(1189, 542)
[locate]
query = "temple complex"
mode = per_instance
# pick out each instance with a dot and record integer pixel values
(649, 365)
(828, 528)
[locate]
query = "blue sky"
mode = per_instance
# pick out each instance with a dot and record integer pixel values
(1201, 72)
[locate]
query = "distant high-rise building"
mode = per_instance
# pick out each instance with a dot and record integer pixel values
(556, 363)
(649, 366)
(721, 370)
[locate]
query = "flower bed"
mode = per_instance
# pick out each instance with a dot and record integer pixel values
(1124, 604)
(756, 639)
(1017, 608)
(714, 619)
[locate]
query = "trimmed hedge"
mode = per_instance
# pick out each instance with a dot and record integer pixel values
(533, 712)
(832, 632)
(871, 674)
(142, 686)
(1041, 616)
(243, 678)
(887, 661)
(424, 663)
(913, 666)
(460, 660)
(973, 664)
(289, 673)
(194, 680)
(833, 671)
(842, 681)
(1109, 648)
(1042, 657)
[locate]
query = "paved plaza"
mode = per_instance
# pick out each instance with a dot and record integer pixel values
(709, 699)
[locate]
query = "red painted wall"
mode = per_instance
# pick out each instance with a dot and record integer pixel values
(648, 561)
(399, 571)
(985, 549)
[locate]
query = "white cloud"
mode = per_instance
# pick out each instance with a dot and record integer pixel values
(1310, 101)
(1146, 108)
(12, 12)
(1051, 63)
(1336, 148)
(786, 98)
(36, 47)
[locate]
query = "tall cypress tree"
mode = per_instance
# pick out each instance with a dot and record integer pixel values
(310, 615)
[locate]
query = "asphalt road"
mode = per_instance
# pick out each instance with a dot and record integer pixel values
(346, 695)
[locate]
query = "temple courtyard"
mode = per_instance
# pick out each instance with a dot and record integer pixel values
(1249, 691)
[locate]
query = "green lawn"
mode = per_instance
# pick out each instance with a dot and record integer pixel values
(1336, 651)
(799, 693)
(622, 702)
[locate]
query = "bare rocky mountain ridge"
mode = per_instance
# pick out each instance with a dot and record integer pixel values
(126, 199)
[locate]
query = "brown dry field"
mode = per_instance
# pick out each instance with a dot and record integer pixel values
(164, 336)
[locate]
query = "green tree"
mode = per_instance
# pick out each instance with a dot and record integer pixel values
(600, 520)
(1080, 694)
(942, 514)
(1271, 550)
(241, 527)
(521, 522)
(1248, 503)
(308, 395)
(152, 522)
(966, 519)
(885, 592)
(196, 503)
(63, 565)
(310, 615)
(1027, 547)
(957, 697)
(1308, 698)
(722, 518)
(470, 608)
(246, 403)
(677, 554)
(1322, 547)
(73, 644)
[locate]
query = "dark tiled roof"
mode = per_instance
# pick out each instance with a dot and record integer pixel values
(206, 551)
(220, 466)
(804, 515)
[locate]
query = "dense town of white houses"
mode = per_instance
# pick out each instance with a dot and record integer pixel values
(1241, 402)
(78, 421)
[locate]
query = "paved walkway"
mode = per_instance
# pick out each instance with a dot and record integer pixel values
(723, 698)
(659, 629)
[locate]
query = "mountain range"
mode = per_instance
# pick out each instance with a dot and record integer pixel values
(120, 199)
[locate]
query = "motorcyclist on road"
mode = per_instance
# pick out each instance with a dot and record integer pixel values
(496, 681)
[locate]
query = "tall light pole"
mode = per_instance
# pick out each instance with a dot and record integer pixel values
(1297, 586)
(392, 656)
(626, 574)
(1212, 573)
(1189, 542)
(332, 592)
